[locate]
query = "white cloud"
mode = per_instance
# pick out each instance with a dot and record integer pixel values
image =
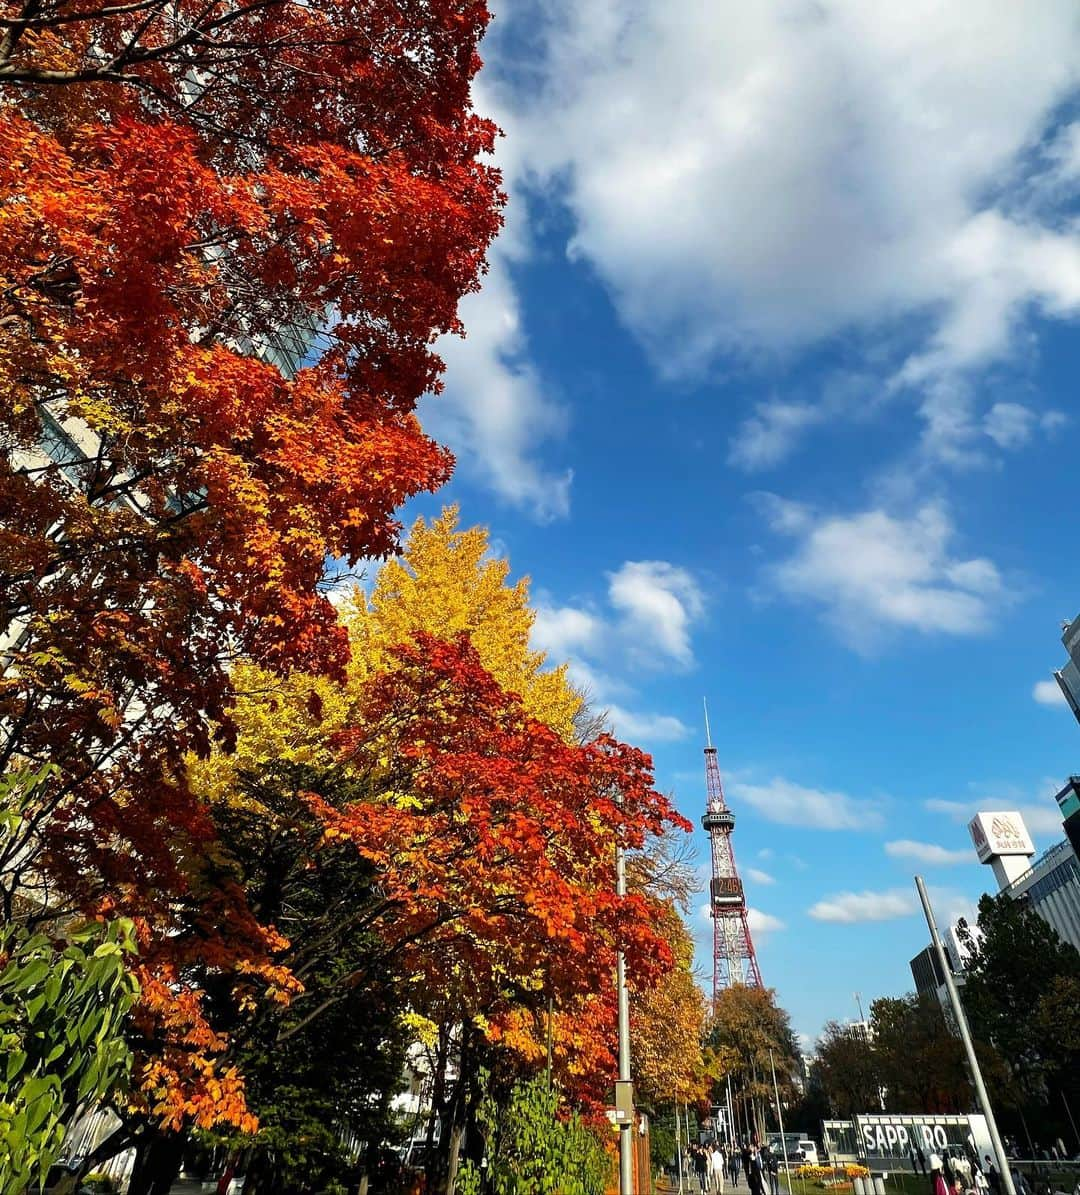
(759, 876)
(1043, 818)
(1009, 424)
(645, 727)
(871, 570)
(770, 434)
(564, 630)
(834, 166)
(850, 907)
(762, 924)
(657, 603)
(652, 606)
(793, 804)
(495, 409)
(1048, 692)
(927, 852)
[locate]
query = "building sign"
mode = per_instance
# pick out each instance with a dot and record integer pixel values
(996, 834)
(910, 1140)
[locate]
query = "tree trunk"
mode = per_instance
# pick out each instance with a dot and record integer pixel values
(459, 1109)
(157, 1164)
(438, 1109)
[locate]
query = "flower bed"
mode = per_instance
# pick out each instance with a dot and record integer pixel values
(833, 1177)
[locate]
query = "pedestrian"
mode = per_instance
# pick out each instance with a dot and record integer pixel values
(755, 1176)
(772, 1169)
(982, 1186)
(733, 1159)
(993, 1176)
(716, 1171)
(937, 1177)
(700, 1167)
(744, 1157)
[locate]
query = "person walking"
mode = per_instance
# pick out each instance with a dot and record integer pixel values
(938, 1186)
(733, 1159)
(755, 1174)
(701, 1167)
(716, 1171)
(772, 1169)
(993, 1176)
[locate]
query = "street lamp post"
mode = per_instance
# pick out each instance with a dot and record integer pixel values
(965, 1036)
(780, 1121)
(624, 1088)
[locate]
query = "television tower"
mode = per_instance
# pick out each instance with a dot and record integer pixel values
(734, 960)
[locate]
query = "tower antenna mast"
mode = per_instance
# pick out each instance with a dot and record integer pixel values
(734, 959)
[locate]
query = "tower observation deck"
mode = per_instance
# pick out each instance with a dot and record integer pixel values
(734, 960)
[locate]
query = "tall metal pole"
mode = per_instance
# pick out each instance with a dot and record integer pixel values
(624, 1100)
(965, 1037)
(780, 1122)
(678, 1145)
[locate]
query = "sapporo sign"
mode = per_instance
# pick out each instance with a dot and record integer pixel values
(908, 1136)
(1000, 834)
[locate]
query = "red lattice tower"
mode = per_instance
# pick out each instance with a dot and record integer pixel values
(734, 960)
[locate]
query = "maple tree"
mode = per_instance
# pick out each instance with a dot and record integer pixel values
(489, 840)
(229, 235)
(496, 848)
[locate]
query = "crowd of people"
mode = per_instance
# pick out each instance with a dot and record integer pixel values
(717, 1162)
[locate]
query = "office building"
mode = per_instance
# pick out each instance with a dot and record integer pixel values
(1068, 677)
(1069, 803)
(926, 970)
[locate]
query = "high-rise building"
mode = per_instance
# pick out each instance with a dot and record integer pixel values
(1068, 677)
(926, 969)
(1069, 803)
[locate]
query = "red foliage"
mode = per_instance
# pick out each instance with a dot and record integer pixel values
(184, 187)
(494, 840)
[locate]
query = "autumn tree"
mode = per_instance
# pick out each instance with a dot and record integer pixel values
(501, 854)
(450, 766)
(848, 1070)
(919, 1056)
(1020, 980)
(668, 1015)
(230, 235)
(749, 1033)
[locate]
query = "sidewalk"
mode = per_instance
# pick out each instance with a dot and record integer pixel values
(691, 1187)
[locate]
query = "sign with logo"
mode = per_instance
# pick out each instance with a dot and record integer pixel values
(910, 1140)
(996, 834)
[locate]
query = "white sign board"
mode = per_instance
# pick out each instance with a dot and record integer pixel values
(998, 834)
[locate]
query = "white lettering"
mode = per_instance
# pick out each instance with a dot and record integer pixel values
(927, 1136)
(940, 1135)
(891, 1135)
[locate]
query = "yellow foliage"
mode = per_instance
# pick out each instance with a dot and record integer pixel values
(668, 1022)
(445, 583)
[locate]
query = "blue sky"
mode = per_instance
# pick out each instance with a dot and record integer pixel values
(771, 392)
